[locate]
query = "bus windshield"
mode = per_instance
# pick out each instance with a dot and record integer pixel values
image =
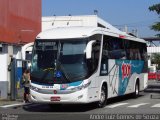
(59, 61)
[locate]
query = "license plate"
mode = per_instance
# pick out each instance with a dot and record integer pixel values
(55, 98)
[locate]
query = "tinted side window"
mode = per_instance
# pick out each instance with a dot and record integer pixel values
(143, 51)
(113, 48)
(133, 50)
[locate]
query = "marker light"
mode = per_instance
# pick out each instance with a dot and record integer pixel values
(122, 36)
(81, 87)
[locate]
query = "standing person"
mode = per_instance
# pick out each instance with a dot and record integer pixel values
(26, 83)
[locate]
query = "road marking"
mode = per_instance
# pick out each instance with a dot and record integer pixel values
(15, 105)
(137, 105)
(116, 105)
(156, 105)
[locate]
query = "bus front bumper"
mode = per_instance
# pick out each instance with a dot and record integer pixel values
(72, 98)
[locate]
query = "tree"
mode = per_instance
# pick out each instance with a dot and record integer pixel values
(156, 26)
(156, 59)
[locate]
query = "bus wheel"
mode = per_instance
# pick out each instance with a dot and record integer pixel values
(103, 98)
(136, 92)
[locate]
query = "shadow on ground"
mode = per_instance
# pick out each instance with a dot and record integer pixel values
(59, 108)
(72, 108)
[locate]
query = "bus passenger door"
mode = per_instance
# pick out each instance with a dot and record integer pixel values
(93, 61)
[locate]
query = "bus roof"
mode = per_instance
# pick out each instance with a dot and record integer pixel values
(68, 32)
(83, 32)
(64, 27)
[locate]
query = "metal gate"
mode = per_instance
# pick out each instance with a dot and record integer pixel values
(17, 69)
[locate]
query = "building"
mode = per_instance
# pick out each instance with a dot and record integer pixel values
(50, 22)
(20, 22)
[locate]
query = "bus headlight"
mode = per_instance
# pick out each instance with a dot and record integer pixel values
(34, 88)
(80, 87)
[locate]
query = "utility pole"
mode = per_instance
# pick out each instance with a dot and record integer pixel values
(135, 32)
(96, 12)
(126, 29)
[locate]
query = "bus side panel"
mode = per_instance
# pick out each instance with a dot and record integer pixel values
(143, 81)
(129, 71)
(131, 83)
(93, 94)
(94, 87)
(112, 78)
(111, 86)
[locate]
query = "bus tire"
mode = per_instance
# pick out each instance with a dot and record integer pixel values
(136, 91)
(103, 97)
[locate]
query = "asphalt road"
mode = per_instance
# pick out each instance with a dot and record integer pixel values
(143, 107)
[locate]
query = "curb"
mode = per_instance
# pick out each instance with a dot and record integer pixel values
(14, 105)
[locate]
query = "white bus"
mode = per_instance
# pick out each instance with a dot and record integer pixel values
(86, 64)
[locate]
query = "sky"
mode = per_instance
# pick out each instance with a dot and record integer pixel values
(132, 13)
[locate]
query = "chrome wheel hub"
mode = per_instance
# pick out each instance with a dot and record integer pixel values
(102, 96)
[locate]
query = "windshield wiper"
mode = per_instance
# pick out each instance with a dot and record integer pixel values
(60, 67)
(46, 72)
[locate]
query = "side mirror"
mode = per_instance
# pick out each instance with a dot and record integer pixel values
(89, 49)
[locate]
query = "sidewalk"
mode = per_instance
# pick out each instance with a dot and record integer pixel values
(10, 102)
(153, 86)
(18, 102)
(154, 89)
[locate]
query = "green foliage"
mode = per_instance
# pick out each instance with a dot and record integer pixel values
(155, 8)
(156, 59)
(156, 26)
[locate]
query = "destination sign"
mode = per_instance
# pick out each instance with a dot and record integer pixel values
(50, 43)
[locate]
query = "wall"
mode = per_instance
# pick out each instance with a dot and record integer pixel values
(20, 20)
(151, 50)
(3, 72)
(5, 60)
